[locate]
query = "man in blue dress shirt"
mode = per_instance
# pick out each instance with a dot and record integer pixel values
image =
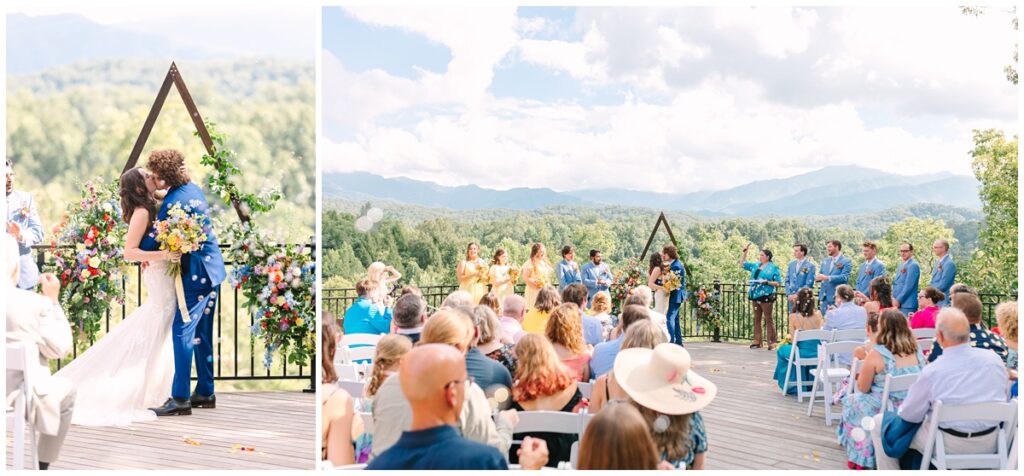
(904, 286)
(799, 274)
(24, 226)
(944, 270)
(596, 275)
(871, 269)
(568, 272)
(835, 270)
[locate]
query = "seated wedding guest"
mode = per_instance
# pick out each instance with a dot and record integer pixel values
(604, 353)
(928, 302)
(806, 316)
(1006, 316)
(959, 288)
(386, 360)
(488, 373)
(642, 334)
(391, 411)
(846, 315)
(513, 311)
(337, 412)
(669, 396)
(641, 296)
(618, 438)
(879, 296)
(410, 314)
(543, 383)
(491, 300)
(432, 379)
(365, 317)
(980, 336)
(39, 322)
(410, 289)
(601, 309)
(24, 227)
(492, 343)
(536, 319)
(966, 375)
(566, 335)
(458, 298)
(381, 277)
(592, 329)
(895, 353)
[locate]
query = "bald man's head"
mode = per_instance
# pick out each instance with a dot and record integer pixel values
(952, 327)
(433, 380)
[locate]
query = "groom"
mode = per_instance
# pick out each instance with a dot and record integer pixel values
(201, 273)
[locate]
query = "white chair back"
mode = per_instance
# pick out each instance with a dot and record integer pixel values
(924, 333)
(348, 372)
(813, 334)
(354, 388)
(1005, 413)
(354, 354)
(361, 339)
(795, 359)
(350, 467)
(367, 418)
(547, 421)
(833, 349)
(17, 355)
(586, 388)
(855, 368)
(899, 383)
(859, 335)
(926, 344)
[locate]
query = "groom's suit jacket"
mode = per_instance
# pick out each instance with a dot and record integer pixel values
(40, 325)
(205, 268)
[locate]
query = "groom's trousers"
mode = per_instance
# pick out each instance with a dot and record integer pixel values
(194, 338)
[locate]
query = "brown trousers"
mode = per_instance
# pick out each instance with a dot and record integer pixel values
(765, 309)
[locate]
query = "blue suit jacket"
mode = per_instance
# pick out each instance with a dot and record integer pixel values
(567, 274)
(904, 286)
(22, 210)
(838, 271)
(205, 268)
(677, 296)
(799, 278)
(867, 273)
(591, 274)
(943, 274)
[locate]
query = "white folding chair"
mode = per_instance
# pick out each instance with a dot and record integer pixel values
(828, 374)
(924, 333)
(357, 347)
(547, 421)
(845, 335)
(926, 344)
(586, 388)
(351, 467)
(935, 451)
(348, 372)
(367, 418)
(354, 388)
(800, 362)
(17, 415)
(855, 369)
(899, 383)
(574, 451)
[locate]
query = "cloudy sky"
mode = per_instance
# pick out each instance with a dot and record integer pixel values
(665, 99)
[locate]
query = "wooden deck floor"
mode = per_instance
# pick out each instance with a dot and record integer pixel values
(280, 426)
(750, 424)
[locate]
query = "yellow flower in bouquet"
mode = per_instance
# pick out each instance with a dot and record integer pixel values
(484, 273)
(671, 281)
(513, 274)
(182, 232)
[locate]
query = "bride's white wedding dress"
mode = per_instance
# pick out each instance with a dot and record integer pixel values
(661, 301)
(130, 369)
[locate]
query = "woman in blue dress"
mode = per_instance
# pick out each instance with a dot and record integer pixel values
(805, 317)
(895, 353)
(764, 278)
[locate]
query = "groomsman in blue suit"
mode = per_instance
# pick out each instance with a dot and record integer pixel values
(568, 272)
(596, 275)
(799, 274)
(24, 226)
(904, 286)
(871, 269)
(835, 270)
(669, 254)
(944, 270)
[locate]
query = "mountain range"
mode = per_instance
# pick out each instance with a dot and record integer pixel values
(835, 190)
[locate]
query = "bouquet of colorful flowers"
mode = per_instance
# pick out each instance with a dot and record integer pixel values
(485, 270)
(278, 283)
(513, 274)
(87, 247)
(707, 306)
(184, 231)
(630, 276)
(671, 281)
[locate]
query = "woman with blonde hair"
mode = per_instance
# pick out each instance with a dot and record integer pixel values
(492, 342)
(1006, 316)
(543, 383)
(337, 413)
(643, 334)
(381, 278)
(618, 438)
(565, 331)
(472, 273)
(536, 319)
(501, 275)
(536, 273)
(386, 360)
(601, 309)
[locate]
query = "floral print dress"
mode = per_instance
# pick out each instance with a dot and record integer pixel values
(857, 406)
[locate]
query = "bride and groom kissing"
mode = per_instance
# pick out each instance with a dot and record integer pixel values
(124, 376)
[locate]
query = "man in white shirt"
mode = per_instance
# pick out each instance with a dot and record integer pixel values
(963, 375)
(513, 310)
(39, 323)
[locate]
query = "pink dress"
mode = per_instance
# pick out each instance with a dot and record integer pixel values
(925, 318)
(577, 364)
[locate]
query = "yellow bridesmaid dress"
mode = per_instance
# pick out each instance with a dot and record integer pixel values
(543, 272)
(477, 286)
(499, 273)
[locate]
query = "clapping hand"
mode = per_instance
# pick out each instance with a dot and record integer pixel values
(533, 454)
(14, 230)
(50, 286)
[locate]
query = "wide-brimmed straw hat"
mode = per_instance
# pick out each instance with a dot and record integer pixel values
(661, 379)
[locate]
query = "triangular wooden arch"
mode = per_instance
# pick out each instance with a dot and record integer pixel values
(174, 77)
(664, 221)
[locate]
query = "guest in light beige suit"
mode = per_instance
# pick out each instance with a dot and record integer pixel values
(38, 322)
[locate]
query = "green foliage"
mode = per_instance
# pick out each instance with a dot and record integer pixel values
(223, 163)
(920, 232)
(994, 265)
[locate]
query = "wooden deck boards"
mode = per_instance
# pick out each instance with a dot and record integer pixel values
(281, 426)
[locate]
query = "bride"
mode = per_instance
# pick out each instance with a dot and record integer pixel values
(131, 368)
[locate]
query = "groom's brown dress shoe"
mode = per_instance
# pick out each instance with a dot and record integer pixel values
(200, 401)
(173, 406)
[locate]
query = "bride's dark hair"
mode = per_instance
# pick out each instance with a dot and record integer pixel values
(134, 195)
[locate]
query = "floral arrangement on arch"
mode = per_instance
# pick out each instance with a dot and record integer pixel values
(631, 275)
(707, 307)
(88, 246)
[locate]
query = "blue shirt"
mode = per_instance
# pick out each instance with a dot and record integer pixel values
(591, 273)
(603, 359)
(769, 273)
(365, 317)
(487, 372)
(799, 274)
(22, 210)
(439, 447)
(867, 272)
(943, 274)
(568, 273)
(838, 271)
(905, 284)
(846, 316)
(968, 375)
(593, 331)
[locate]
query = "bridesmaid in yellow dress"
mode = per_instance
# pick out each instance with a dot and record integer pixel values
(502, 282)
(472, 273)
(536, 273)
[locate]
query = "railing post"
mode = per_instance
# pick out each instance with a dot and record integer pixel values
(717, 337)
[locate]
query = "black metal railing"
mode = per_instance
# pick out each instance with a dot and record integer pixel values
(235, 351)
(737, 315)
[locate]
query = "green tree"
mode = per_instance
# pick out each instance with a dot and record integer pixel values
(922, 233)
(994, 264)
